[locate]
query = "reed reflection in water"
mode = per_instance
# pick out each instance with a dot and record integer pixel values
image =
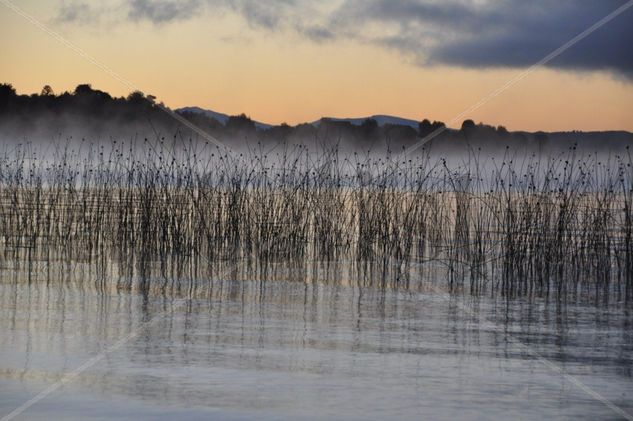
(297, 341)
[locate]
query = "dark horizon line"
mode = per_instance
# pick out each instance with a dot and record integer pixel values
(222, 118)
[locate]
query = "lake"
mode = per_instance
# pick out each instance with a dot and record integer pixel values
(297, 347)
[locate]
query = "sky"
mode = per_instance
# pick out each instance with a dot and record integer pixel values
(298, 60)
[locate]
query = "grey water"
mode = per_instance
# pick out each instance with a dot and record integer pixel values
(301, 349)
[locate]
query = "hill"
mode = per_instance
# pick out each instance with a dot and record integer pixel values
(96, 115)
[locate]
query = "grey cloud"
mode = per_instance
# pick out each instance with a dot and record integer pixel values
(496, 33)
(75, 12)
(316, 33)
(162, 11)
(259, 13)
(404, 13)
(468, 33)
(263, 14)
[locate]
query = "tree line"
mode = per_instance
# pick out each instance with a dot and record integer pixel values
(94, 112)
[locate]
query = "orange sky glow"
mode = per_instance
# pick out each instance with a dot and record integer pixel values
(222, 63)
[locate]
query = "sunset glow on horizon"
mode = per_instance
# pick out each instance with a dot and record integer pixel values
(276, 70)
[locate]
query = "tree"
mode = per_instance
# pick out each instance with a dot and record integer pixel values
(468, 125)
(84, 89)
(47, 91)
(240, 122)
(136, 97)
(425, 127)
(369, 126)
(7, 93)
(541, 139)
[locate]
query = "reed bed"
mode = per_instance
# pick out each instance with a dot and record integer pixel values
(550, 226)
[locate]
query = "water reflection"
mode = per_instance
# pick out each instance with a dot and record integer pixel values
(309, 341)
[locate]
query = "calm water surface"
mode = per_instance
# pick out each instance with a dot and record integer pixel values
(303, 350)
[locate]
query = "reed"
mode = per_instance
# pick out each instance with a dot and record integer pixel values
(556, 226)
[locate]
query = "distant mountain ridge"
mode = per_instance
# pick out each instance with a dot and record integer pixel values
(384, 119)
(220, 117)
(88, 113)
(381, 119)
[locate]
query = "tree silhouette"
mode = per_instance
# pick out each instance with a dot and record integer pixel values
(136, 97)
(93, 113)
(84, 89)
(425, 127)
(468, 125)
(47, 91)
(240, 122)
(7, 95)
(541, 139)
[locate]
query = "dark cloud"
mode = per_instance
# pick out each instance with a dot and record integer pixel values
(494, 33)
(269, 15)
(75, 12)
(316, 33)
(468, 33)
(260, 14)
(163, 11)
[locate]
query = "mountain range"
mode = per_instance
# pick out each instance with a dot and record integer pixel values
(88, 113)
(381, 119)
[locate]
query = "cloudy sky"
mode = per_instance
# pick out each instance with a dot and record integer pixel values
(298, 60)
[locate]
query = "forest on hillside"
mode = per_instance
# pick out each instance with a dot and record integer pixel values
(91, 113)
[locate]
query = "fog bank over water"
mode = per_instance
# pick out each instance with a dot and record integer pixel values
(317, 258)
(89, 118)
